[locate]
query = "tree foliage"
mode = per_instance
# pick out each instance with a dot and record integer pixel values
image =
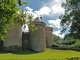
(71, 18)
(11, 15)
(56, 38)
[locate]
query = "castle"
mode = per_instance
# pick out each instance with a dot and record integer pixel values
(37, 40)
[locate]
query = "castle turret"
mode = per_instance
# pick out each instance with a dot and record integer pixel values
(14, 39)
(48, 33)
(37, 37)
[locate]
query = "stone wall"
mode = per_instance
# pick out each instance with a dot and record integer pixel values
(14, 38)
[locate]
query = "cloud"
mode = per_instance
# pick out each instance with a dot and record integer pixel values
(57, 9)
(30, 10)
(43, 11)
(49, 9)
(55, 23)
(58, 34)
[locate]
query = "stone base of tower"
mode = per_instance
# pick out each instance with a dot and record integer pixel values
(14, 48)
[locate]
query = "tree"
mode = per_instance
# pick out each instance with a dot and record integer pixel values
(11, 14)
(69, 40)
(71, 18)
(56, 38)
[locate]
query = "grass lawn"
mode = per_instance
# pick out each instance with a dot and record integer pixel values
(48, 54)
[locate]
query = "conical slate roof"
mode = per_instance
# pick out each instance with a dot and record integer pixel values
(38, 19)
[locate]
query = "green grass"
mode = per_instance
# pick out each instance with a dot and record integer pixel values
(48, 54)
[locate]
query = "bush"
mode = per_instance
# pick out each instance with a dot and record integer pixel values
(55, 45)
(77, 45)
(75, 58)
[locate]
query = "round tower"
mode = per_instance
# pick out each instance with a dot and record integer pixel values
(48, 33)
(37, 37)
(13, 42)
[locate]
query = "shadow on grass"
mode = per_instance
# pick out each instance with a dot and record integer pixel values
(3, 52)
(25, 52)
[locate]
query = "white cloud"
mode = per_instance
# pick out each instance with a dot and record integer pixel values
(50, 8)
(57, 9)
(29, 9)
(55, 23)
(43, 11)
(58, 34)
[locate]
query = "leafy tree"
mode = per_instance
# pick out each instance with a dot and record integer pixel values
(71, 18)
(56, 38)
(69, 40)
(11, 15)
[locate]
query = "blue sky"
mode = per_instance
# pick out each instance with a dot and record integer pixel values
(50, 10)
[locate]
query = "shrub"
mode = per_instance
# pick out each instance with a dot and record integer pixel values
(75, 58)
(77, 44)
(55, 45)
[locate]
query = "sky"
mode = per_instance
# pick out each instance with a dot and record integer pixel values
(50, 10)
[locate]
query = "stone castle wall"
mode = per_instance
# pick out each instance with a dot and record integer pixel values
(14, 38)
